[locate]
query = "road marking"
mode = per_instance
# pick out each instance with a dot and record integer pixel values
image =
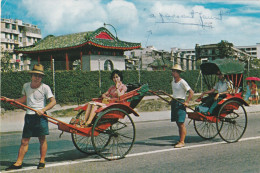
(130, 155)
(187, 147)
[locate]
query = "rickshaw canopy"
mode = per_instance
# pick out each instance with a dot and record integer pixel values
(225, 66)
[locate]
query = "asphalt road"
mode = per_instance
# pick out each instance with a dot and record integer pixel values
(152, 152)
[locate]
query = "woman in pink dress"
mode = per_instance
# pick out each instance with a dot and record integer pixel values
(113, 92)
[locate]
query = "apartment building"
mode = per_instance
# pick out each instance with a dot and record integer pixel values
(253, 50)
(14, 34)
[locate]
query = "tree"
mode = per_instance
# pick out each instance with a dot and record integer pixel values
(255, 63)
(225, 49)
(5, 61)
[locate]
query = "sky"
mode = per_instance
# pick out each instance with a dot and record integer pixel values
(163, 24)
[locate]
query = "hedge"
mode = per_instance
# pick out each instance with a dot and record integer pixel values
(79, 87)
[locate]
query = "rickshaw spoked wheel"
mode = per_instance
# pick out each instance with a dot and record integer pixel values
(231, 121)
(116, 141)
(205, 129)
(82, 143)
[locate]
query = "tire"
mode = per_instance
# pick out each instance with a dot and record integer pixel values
(82, 143)
(117, 136)
(231, 121)
(206, 130)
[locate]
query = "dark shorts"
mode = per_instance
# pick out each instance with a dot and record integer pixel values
(178, 111)
(35, 126)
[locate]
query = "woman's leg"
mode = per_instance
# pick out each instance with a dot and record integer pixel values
(92, 114)
(87, 112)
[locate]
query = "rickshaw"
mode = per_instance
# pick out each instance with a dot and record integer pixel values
(112, 132)
(229, 117)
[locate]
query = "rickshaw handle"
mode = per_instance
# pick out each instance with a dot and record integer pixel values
(153, 92)
(21, 106)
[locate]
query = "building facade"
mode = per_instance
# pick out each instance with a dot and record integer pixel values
(212, 51)
(253, 50)
(150, 58)
(185, 57)
(14, 34)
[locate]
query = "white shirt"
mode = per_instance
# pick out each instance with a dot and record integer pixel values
(36, 98)
(180, 89)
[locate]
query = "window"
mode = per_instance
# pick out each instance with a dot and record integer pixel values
(108, 65)
(15, 37)
(7, 25)
(14, 27)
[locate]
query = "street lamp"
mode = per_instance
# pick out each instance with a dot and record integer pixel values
(112, 27)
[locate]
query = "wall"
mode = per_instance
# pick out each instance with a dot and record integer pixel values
(94, 60)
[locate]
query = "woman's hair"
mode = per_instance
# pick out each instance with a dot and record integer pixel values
(119, 73)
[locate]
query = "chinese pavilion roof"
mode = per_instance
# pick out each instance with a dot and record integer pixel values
(99, 38)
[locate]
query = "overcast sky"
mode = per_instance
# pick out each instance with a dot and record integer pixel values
(163, 23)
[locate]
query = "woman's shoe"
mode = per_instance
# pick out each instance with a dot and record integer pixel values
(13, 167)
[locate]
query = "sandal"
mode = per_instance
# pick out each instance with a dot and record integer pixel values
(41, 165)
(179, 145)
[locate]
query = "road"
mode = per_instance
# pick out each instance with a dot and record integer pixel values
(152, 152)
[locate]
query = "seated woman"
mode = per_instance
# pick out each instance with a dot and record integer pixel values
(113, 92)
(222, 87)
(254, 93)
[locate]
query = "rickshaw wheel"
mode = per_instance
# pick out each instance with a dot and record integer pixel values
(231, 121)
(117, 139)
(205, 129)
(82, 143)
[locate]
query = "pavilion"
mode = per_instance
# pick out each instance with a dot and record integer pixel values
(94, 50)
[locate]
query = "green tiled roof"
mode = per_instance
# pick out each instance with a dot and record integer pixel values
(63, 42)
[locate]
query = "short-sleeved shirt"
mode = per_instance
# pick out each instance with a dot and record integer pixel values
(36, 98)
(222, 86)
(180, 89)
(112, 90)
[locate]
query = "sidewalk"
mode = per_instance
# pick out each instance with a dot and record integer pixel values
(13, 121)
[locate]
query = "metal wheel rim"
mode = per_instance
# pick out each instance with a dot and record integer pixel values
(116, 141)
(82, 143)
(233, 126)
(205, 129)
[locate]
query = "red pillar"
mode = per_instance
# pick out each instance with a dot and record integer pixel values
(67, 62)
(81, 60)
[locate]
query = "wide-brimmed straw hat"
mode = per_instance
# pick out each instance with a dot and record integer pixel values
(177, 67)
(38, 68)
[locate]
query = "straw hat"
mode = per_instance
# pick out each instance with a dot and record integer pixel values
(177, 67)
(38, 68)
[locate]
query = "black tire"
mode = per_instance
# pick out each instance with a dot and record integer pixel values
(117, 139)
(82, 143)
(233, 125)
(206, 130)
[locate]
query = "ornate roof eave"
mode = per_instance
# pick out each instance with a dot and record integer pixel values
(73, 47)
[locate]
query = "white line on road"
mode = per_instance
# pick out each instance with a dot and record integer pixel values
(132, 155)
